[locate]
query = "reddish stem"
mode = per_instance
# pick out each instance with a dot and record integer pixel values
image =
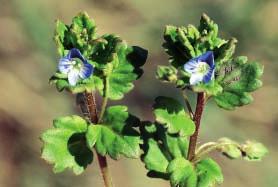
(197, 119)
(92, 109)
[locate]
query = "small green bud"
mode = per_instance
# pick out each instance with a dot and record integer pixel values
(254, 151)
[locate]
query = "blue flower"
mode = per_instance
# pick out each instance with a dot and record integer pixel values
(75, 66)
(201, 68)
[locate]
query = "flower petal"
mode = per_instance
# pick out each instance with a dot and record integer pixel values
(75, 53)
(207, 57)
(86, 71)
(196, 78)
(191, 66)
(65, 65)
(208, 77)
(73, 77)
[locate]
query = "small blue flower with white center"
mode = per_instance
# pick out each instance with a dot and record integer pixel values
(75, 66)
(201, 68)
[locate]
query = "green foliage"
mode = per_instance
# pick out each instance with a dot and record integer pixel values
(250, 150)
(160, 148)
(209, 173)
(182, 173)
(229, 148)
(89, 84)
(167, 74)
(253, 151)
(165, 146)
(115, 135)
(235, 77)
(65, 145)
(165, 157)
(240, 78)
(116, 65)
(170, 113)
(69, 144)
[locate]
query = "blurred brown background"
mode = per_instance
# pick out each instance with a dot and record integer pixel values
(28, 104)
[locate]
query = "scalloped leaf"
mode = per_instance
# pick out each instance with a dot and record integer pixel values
(182, 173)
(160, 148)
(238, 79)
(165, 156)
(170, 113)
(185, 43)
(209, 173)
(89, 84)
(234, 79)
(124, 69)
(116, 65)
(167, 74)
(77, 35)
(65, 145)
(115, 135)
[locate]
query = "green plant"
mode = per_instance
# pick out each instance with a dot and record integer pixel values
(92, 64)
(200, 61)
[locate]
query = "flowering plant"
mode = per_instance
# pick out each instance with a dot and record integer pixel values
(200, 61)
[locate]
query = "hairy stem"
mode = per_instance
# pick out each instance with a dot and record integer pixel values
(92, 110)
(105, 100)
(201, 100)
(209, 147)
(186, 100)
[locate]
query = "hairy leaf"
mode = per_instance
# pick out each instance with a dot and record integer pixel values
(124, 69)
(182, 173)
(253, 151)
(170, 113)
(116, 65)
(115, 135)
(209, 173)
(238, 79)
(160, 148)
(65, 145)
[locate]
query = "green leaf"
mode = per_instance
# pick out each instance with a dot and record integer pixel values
(154, 158)
(250, 150)
(65, 145)
(79, 34)
(182, 173)
(229, 148)
(116, 65)
(167, 74)
(209, 173)
(212, 88)
(124, 69)
(59, 37)
(170, 113)
(185, 43)
(234, 79)
(160, 148)
(93, 83)
(115, 135)
(238, 79)
(254, 151)
(224, 53)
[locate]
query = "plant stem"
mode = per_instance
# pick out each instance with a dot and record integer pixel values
(209, 147)
(191, 114)
(105, 100)
(197, 119)
(92, 108)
